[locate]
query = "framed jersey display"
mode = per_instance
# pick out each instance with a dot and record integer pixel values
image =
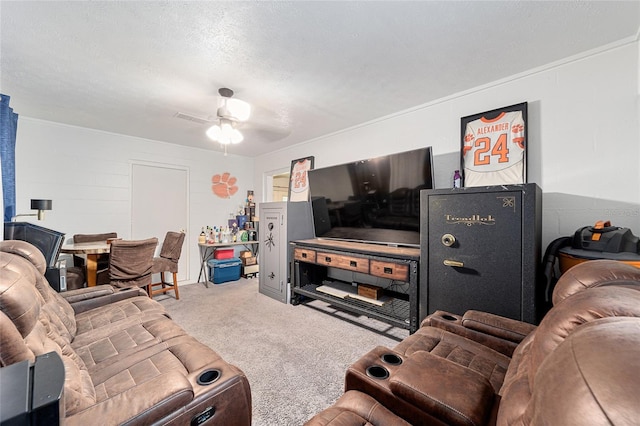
(298, 182)
(494, 147)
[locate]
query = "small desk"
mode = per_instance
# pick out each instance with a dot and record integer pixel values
(93, 251)
(207, 252)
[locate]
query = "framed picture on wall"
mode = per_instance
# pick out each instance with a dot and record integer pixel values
(298, 182)
(494, 147)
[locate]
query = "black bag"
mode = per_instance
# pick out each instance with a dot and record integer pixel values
(551, 271)
(611, 242)
(605, 238)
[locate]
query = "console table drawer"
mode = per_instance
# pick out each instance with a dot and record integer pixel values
(350, 263)
(394, 271)
(304, 255)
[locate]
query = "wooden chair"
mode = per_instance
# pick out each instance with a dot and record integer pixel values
(167, 262)
(131, 261)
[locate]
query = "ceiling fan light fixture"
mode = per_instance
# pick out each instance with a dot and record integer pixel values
(236, 136)
(229, 114)
(226, 127)
(225, 133)
(214, 133)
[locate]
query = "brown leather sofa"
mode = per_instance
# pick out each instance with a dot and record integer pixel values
(125, 360)
(579, 366)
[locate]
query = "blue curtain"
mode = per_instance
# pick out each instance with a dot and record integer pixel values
(8, 129)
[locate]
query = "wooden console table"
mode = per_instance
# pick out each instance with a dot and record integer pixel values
(316, 264)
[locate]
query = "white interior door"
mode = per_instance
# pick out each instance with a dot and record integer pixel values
(159, 203)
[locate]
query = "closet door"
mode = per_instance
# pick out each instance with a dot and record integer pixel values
(160, 203)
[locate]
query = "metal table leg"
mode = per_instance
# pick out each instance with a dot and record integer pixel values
(205, 255)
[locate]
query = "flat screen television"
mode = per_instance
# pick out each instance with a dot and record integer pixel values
(375, 200)
(47, 240)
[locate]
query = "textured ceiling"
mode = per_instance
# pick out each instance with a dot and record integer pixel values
(308, 68)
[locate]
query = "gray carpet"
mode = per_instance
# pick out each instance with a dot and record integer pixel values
(295, 357)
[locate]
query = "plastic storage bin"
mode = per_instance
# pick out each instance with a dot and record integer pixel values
(223, 254)
(224, 270)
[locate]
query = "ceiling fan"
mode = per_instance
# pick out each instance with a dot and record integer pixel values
(236, 120)
(228, 116)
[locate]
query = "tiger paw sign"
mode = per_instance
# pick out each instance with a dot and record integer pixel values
(224, 185)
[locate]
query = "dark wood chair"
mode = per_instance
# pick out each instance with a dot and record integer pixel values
(167, 262)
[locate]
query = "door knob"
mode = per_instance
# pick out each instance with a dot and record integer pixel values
(448, 240)
(453, 263)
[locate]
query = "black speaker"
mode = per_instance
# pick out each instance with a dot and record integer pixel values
(57, 278)
(321, 219)
(480, 249)
(31, 392)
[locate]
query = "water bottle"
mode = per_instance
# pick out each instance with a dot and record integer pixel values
(457, 179)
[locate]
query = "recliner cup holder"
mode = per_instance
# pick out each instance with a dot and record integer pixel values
(391, 359)
(208, 376)
(377, 372)
(449, 317)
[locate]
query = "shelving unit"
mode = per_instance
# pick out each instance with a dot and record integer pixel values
(313, 261)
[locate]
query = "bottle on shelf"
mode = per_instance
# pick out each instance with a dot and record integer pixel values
(202, 238)
(457, 179)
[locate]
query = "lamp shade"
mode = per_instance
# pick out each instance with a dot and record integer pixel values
(41, 204)
(214, 132)
(225, 133)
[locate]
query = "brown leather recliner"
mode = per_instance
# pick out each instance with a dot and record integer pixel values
(504, 334)
(439, 377)
(589, 379)
(125, 361)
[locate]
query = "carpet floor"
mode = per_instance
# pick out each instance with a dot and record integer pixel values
(295, 357)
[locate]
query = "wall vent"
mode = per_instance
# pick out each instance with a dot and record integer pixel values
(193, 118)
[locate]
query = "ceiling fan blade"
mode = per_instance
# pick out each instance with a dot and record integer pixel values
(264, 134)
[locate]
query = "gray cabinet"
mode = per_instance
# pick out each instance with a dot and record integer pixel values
(481, 250)
(280, 222)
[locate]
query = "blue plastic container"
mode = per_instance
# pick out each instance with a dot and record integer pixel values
(224, 270)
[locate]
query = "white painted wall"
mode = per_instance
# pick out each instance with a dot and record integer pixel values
(87, 175)
(584, 152)
(584, 137)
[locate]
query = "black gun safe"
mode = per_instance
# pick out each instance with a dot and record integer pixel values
(480, 249)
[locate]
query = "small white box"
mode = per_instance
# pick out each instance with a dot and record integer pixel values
(250, 269)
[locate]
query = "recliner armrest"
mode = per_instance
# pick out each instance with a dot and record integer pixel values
(504, 328)
(448, 391)
(498, 333)
(84, 299)
(80, 294)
